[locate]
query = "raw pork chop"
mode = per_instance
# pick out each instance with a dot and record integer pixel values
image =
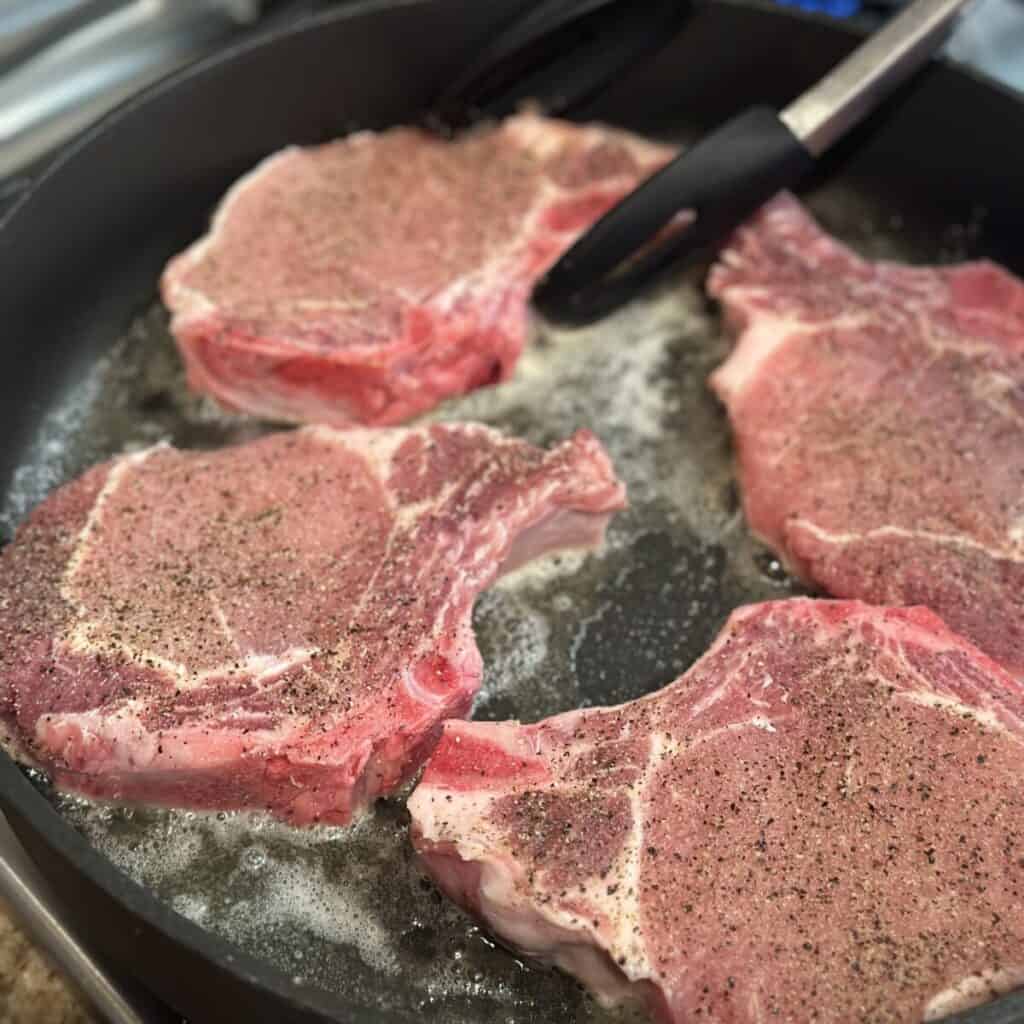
(282, 624)
(823, 819)
(879, 418)
(371, 278)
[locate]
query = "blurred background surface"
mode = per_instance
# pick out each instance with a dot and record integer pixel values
(64, 62)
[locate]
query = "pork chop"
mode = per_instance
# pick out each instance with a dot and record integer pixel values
(368, 279)
(878, 412)
(821, 820)
(278, 625)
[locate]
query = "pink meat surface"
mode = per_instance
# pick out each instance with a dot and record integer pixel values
(368, 279)
(278, 625)
(878, 411)
(823, 820)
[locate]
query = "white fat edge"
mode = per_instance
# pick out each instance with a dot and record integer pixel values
(759, 722)
(538, 134)
(542, 570)
(1016, 533)
(941, 642)
(940, 702)
(431, 810)
(257, 668)
(973, 990)
(765, 335)
(134, 744)
(509, 736)
(193, 303)
(222, 621)
(624, 941)
(711, 698)
(621, 910)
(532, 926)
(546, 136)
(756, 343)
(319, 306)
(121, 468)
(269, 410)
(380, 443)
(957, 540)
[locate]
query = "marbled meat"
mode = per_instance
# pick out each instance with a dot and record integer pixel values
(282, 624)
(822, 820)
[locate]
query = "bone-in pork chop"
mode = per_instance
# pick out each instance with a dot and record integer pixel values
(279, 625)
(822, 820)
(368, 279)
(878, 411)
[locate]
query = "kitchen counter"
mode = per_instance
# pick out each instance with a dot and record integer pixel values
(31, 992)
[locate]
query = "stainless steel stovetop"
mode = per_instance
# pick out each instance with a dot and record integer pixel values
(65, 62)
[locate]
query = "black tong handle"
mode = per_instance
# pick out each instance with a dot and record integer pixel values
(730, 173)
(560, 54)
(720, 181)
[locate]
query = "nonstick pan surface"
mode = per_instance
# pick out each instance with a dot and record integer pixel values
(252, 920)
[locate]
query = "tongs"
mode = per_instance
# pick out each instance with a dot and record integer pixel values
(560, 54)
(695, 200)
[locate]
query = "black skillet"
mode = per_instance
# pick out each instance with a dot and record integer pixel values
(81, 251)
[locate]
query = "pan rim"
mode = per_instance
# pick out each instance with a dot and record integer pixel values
(39, 175)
